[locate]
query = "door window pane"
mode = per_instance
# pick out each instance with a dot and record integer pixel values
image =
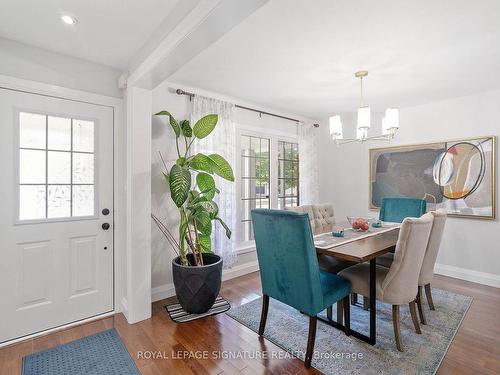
(32, 167)
(83, 200)
(83, 136)
(59, 164)
(32, 130)
(59, 202)
(59, 135)
(56, 167)
(31, 202)
(83, 168)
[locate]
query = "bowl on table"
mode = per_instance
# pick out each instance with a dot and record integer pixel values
(360, 224)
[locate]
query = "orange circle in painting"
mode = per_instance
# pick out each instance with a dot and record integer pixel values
(461, 170)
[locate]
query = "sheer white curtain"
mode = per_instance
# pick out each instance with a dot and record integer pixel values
(221, 141)
(308, 164)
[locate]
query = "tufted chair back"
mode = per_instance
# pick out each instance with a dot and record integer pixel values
(323, 217)
(305, 209)
(320, 216)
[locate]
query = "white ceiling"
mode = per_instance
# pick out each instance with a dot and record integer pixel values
(108, 32)
(300, 56)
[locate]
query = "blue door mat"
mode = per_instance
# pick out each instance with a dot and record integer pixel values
(101, 354)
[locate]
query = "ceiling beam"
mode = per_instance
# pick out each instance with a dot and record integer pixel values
(204, 24)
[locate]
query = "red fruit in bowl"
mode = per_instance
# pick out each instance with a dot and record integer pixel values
(355, 225)
(365, 226)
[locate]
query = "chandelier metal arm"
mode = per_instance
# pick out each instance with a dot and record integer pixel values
(382, 137)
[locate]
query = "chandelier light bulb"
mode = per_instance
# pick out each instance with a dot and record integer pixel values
(364, 118)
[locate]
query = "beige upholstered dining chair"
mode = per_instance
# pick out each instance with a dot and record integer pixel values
(398, 284)
(305, 209)
(427, 270)
(322, 219)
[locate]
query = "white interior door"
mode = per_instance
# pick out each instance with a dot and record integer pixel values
(56, 191)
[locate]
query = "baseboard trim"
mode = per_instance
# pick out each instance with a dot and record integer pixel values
(484, 278)
(168, 290)
(240, 270)
(162, 292)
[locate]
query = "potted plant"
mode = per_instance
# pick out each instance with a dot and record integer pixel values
(196, 270)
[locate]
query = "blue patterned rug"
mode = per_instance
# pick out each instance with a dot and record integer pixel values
(336, 353)
(101, 354)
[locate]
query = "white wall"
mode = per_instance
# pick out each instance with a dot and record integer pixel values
(35, 64)
(164, 98)
(470, 247)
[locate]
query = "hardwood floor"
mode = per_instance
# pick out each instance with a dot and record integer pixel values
(476, 348)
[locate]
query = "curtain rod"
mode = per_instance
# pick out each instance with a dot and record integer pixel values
(190, 94)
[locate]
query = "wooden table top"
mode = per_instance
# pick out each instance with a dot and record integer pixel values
(364, 249)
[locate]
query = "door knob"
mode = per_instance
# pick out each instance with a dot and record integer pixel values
(105, 226)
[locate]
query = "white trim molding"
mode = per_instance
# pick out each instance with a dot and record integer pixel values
(484, 278)
(168, 290)
(138, 204)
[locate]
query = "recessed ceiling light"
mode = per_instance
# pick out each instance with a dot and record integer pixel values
(68, 19)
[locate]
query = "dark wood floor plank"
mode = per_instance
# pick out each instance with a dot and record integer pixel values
(475, 349)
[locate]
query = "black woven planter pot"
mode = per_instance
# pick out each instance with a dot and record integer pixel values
(197, 287)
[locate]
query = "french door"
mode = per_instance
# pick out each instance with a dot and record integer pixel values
(56, 222)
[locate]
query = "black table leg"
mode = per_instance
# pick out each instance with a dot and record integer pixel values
(373, 302)
(372, 339)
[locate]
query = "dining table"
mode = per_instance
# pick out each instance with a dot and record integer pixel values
(359, 247)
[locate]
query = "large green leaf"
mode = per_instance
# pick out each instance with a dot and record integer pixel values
(173, 122)
(206, 183)
(228, 231)
(203, 223)
(180, 183)
(204, 126)
(221, 167)
(210, 207)
(201, 162)
(163, 113)
(205, 243)
(186, 128)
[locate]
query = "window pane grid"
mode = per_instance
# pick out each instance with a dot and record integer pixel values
(255, 183)
(55, 192)
(53, 149)
(288, 174)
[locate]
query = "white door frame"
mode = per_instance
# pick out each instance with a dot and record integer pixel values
(119, 178)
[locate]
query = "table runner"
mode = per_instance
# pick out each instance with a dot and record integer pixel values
(327, 241)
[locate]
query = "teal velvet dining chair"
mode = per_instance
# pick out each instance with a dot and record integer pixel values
(289, 270)
(396, 209)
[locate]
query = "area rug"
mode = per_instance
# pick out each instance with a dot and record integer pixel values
(101, 354)
(178, 315)
(336, 353)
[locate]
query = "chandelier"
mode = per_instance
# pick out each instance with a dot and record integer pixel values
(390, 122)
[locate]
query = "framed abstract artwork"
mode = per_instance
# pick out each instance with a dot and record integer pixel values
(458, 176)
